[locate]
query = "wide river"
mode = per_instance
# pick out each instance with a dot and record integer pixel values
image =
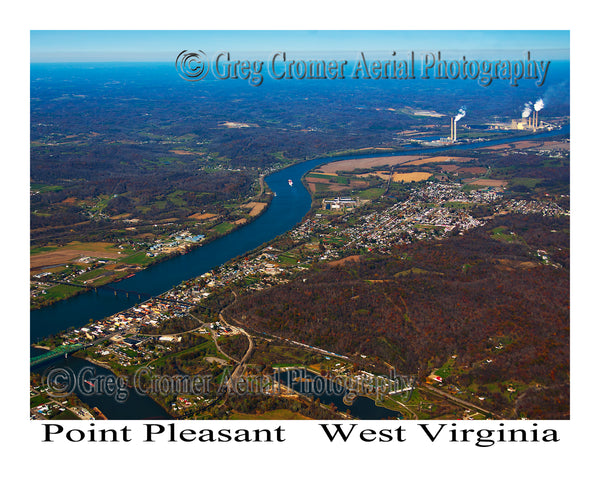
(285, 211)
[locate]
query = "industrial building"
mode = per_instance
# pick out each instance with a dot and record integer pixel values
(340, 202)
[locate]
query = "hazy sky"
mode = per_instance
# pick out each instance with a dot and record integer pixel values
(163, 45)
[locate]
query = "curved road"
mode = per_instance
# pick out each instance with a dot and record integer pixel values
(233, 381)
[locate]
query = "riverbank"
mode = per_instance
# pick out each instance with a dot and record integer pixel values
(70, 290)
(109, 367)
(422, 144)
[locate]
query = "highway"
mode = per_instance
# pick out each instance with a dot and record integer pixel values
(239, 369)
(457, 401)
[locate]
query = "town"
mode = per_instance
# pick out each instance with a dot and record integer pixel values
(337, 229)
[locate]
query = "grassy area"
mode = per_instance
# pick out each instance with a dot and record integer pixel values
(60, 291)
(526, 182)
(40, 187)
(139, 258)
(371, 193)
(223, 228)
(321, 187)
(470, 187)
(287, 260)
(500, 233)
(206, 348)
(445, 370)
(280, 355)
(95, 246)
(66, 415)
(175, 198)
(91, 274)
(37, 400)
(279, 414)
(320, 175)
(34, 250)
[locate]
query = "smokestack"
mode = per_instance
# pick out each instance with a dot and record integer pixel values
(537, 107)
(527, 113)
(452, 129)
(462, 111)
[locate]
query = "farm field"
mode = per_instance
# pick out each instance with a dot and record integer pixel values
(486, 182)
(203, 216)
(319, 184)
(256, 207)
(411, 177)
(368, 162)
(73, 251)
(423, 161)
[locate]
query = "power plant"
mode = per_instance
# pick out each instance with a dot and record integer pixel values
(529, 122)
(461, 113)
(530, 119)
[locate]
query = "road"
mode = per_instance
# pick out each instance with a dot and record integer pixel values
(239, 369)
(457, 401)
(241, 364)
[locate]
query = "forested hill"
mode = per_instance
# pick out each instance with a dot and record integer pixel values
(495, 304)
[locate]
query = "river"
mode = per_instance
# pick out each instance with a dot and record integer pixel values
(287, 208)
(310, 384)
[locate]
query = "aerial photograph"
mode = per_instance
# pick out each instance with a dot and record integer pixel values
(293, 224)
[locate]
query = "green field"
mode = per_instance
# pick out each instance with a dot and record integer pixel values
(279, 414)
(445, 370)
(223, 228)
(34, 250)
(371, 193)
(525, 182)
(60, 291)
(37, 400)
(500, 233)
(139, 258)
(91, 274)
(320, 175)
(175, 198)
(470, 187)
(40, 187)
(66, 415)
(287, 260)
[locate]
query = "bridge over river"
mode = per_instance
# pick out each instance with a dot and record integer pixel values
(127, 293)
(57, 352)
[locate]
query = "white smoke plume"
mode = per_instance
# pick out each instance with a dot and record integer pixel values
(462, 111)
(539, 105)
(527, 110)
